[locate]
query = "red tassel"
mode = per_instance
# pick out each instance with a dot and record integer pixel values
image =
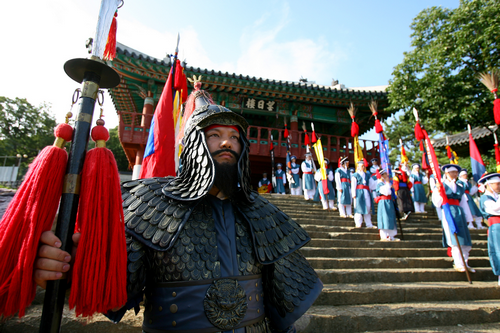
(377, 173)
(421, 146)
(419, 135)
(378, 126)
(100, 268)
(286, 131)
(496, 110)
(306, 140)
(31, 212)
(340, 158)
(110, 50)
(448, 252)
(365, 162)
(314, 138)
(354, 129)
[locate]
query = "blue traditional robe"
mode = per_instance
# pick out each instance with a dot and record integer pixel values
(458, 216)
(474, 210)
(280, 175)
(345, 184)
(295, 174)
(493, 233)
(308, 178)
(386, 214)
(418, 189)
(331, 193)
(361, 204)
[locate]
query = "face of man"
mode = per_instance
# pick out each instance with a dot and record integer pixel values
(224, 144)
(385, 177)
(417, 169)
(452, 174)
(225, 147)
(264, 175)
(308, 157)
(375, 163)
(361, 167)
(279, 167)
(495, 187)
(293, 160)
(346, 165)
(464, 176)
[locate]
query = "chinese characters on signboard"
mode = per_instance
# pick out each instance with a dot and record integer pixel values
(259, 104)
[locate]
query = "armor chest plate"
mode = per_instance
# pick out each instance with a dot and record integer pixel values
(194, 254)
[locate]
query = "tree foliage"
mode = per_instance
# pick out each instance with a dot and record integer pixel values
(24, 128)
(115, 146)
(439, 76)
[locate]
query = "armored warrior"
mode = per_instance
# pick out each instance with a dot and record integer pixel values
(418, 180)
(280, 179)
(343, 183)
(473, 214)
(361, 186)
(386, 214)
(295, 188)
(209, 254)
(490, 208)
(308, 183)
(264, 184)
(455, 193)
(326, 200)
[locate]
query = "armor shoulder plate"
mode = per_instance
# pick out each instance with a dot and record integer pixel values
(275, 235)
(150, 217)
(288, 282)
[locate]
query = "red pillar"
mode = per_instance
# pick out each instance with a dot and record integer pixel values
(147, 112)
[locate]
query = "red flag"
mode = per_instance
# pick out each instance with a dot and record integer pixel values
(497, 156)
(476, 161)
(159, 155)
(180, 83)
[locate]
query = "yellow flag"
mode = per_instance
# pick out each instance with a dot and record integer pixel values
(358, 152)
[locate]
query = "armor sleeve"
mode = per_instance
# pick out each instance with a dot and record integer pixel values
(290, 287)
(136, 278)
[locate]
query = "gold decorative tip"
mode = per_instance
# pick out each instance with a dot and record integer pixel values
(59, 142)
(100, 144)
(194, 79)
(68, 115)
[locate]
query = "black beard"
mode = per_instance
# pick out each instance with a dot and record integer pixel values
(226, 175)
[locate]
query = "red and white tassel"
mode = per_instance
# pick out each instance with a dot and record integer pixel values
(110, 50)
(30, 213)
(100, 268)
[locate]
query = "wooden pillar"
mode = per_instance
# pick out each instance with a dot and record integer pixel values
(294, 123)
(147, 112)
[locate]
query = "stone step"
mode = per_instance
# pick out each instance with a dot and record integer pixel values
(350, 223)
(370, 235)
(398, 275)
(331, 217)
(406, 229)
(373, 293)
(407, 244)
(343, 252)
(376, 317)
(459, 328)
(364, 263)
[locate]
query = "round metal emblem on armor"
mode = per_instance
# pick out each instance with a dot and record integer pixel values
(225, 304)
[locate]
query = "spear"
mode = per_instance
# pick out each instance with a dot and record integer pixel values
(93, 74)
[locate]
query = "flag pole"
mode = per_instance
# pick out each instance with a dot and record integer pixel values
(273, 177)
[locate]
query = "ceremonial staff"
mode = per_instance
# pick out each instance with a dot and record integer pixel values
(93, 74)
(420, 132)
(271, 149)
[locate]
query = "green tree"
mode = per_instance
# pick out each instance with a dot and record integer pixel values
(439, 76)
(116, 147)
(24, 128)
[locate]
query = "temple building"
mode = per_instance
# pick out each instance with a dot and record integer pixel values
(266, 104)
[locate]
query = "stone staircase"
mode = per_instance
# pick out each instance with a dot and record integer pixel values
(406, 286)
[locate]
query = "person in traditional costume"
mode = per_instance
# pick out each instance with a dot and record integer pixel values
(264, 184)
(402, 185)
(308, 183)
(473, 214)
(191, 241)
(386, 214)
(326, 200)
(280, 179)
(418, 180)
(373, 170)
(361, 186)
(343, 183)
(404, 168)
(490, 208)
(458, 202)
(295, 188)
(432, 187)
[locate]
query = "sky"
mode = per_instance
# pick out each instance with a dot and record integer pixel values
(357, 42)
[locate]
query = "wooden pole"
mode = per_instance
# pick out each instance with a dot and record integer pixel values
(463, 259)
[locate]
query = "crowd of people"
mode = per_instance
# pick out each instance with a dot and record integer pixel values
(356, 192)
